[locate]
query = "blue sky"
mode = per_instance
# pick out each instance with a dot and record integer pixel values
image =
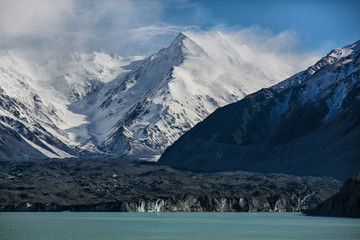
(41, 28)
(318, 23)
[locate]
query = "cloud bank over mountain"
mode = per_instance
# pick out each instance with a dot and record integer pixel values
(41, 29)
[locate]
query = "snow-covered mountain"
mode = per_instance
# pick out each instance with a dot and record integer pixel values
(35, 100)
(308, 124)
(132, 107)
(148, 109)
(77, 74)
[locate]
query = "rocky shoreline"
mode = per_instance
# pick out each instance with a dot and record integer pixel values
(189, 204)
(345, 203)
(76, 185)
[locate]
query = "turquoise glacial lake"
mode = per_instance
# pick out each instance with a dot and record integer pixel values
(169, 226)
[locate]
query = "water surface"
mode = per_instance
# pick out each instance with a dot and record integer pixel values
(112, 226)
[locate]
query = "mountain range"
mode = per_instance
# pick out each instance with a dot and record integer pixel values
(96, 104)
(308, 124)
(205, 104)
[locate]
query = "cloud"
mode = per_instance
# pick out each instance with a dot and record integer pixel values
(39, 29)
(32, 17)
(255, 48)
(156, 36)
(33, 24)
(275, 47)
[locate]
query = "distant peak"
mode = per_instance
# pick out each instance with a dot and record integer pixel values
(6, 53)
(181, 34)
(100, 50)
(179, 38)
(10, 54)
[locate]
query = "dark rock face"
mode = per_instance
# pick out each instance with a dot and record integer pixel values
(115, 186)
(307, 125)
(345, 203)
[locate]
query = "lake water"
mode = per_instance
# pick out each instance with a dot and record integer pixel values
(113, 226)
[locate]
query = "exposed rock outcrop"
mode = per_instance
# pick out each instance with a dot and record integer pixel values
(345, 203)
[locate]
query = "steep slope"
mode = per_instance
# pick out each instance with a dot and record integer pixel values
(345, 203)
(77, 75)
(14, 147)
(306, 125)
(30, 111)
(34, 102)
(139, 115)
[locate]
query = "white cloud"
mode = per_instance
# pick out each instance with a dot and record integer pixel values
(40, 29)
(19, 17)
(249, 50)
(270, 48)
(156, 36)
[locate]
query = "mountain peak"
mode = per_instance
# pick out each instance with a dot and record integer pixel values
(185, 46)
(179, 39)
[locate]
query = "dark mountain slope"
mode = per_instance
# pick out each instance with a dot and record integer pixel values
(346, 203)
(306, 125)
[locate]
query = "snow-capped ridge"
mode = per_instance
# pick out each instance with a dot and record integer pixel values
(338, 57)
(171, 91)
(183, 46)
(179, 39)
